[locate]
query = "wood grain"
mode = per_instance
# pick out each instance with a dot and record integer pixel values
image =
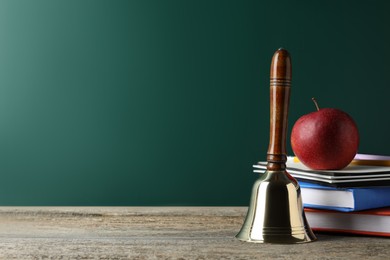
(157, 233)
(280, 83)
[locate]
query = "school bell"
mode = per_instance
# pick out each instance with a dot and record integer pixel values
(275, 213)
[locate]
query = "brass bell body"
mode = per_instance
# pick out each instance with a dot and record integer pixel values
(275, 213)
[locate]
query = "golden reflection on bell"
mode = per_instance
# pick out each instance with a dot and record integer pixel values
(275, 213)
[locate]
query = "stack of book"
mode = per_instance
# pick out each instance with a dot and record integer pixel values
(353, 200)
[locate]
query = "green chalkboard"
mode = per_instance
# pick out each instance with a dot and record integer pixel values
(167, 102)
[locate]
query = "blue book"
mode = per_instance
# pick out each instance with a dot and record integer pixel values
(344, 199)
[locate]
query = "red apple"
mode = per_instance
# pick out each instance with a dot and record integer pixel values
(326, 139)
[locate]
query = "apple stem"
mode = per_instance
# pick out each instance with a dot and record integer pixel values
(315, 103)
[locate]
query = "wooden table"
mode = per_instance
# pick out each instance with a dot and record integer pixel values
(157, 233)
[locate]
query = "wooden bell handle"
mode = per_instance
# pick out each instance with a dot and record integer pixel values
(280, 83)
